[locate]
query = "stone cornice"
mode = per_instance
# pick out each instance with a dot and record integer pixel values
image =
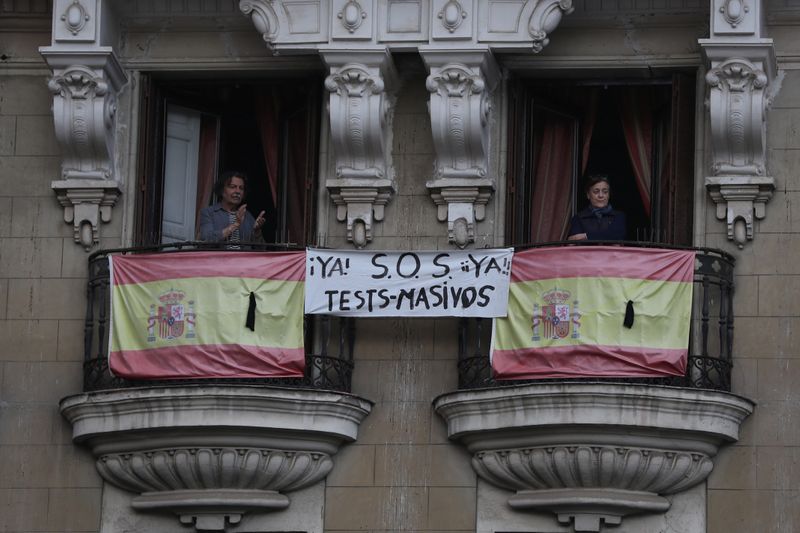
(107, 412)
(288, 26)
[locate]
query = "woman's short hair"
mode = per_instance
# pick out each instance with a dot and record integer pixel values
(594, 179)
(226, 177)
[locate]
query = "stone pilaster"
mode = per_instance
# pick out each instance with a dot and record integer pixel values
(741, 68)
(86, 82)
(361, 108)
(461, 84)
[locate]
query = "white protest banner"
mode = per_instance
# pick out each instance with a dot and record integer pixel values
(394, 283)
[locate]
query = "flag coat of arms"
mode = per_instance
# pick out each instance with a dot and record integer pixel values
(207, 314)
(600, 311)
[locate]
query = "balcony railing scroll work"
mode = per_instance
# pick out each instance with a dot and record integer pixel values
(592, 451)
(213, 450)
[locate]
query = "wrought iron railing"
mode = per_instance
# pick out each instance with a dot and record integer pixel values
(711, 336)
(329, 340)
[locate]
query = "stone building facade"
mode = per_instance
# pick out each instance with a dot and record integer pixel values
(410, 120)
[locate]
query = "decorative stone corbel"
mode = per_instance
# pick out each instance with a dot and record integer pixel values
(86, 202)
(741, 67)
(460, 84)
(86, 81)
(360, 108)
(739, 200)
(545, 19)
(263, 16)
(85, 88)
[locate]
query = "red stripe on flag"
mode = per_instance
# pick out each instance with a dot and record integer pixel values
(603, 262)
(588, 362)
(209, 361)
(142, 268)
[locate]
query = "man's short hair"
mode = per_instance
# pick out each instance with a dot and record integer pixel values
(226, 177)
(594, 179)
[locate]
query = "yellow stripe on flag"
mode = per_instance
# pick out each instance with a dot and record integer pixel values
(219, 306)
(596, 309)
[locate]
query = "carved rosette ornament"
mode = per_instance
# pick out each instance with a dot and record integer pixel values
(352, 15)
(734, 11)
(452, 15)
(360, 108)
(460, 108)
(741, 68)
(75, 17)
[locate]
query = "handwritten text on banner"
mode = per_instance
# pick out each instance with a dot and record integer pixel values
(364, 283)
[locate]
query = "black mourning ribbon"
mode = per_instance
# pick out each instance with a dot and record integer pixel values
(251, 313)
(628, 322)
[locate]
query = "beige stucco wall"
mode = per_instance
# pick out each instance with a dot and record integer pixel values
(46, 483)
(754, 485)
(402, 473)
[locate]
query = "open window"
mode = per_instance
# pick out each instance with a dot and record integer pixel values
(640, 133)
(194, 130)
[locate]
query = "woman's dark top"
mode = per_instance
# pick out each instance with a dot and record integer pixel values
(604, 224)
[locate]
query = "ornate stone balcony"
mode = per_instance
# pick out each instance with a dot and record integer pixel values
(593, 451)
(212, 451)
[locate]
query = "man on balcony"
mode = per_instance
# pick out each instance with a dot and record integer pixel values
(228, 220)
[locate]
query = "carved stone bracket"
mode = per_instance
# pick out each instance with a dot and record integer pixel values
(545, 19)
(741, 68)
(460, 207)
(461, 84)
(263, 16)
(361, 108)
(215, 453)
(86, 202)
(739, 201)
(85, 86)
(592, 454)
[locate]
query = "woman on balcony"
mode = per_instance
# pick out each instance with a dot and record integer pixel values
(598, 221)
(229, 220)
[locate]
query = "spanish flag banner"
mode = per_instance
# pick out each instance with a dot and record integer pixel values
(600, 311)
(207, 315)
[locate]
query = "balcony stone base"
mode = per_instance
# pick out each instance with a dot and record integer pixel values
(592, 453)
(210, 510)
(589, 508)
(212, 454)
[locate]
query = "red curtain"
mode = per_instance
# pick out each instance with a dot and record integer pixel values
(207, 164)
(267, 119)
(555, 160)
(637, 124)
(296, 179)
(552, 184)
